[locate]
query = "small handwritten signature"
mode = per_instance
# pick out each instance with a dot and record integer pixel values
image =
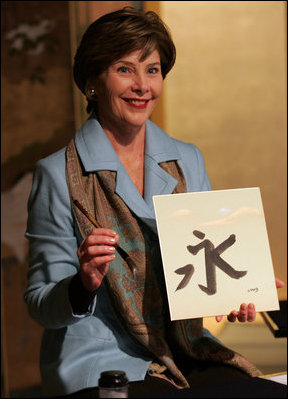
(253, 290)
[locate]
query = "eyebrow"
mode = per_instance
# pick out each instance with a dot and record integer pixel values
(128, 63)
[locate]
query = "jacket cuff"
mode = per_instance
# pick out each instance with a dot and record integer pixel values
(79, 297)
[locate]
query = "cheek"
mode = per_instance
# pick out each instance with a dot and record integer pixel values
(105, 94)
(158, 88)
(114, 92)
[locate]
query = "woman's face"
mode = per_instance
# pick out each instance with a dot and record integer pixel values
(128, 90)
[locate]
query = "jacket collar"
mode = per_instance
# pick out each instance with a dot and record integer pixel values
(97, 153)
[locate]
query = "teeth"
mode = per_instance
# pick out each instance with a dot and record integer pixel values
(137, 101)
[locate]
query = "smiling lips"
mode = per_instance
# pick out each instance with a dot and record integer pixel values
(136, 103)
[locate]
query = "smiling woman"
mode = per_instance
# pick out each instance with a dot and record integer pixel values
(102, 310)
(123, 79)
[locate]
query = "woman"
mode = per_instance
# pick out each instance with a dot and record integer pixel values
(103, 308)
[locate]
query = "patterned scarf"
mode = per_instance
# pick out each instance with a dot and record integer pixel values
(135, 284)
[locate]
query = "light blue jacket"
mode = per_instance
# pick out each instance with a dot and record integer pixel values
(76, 348)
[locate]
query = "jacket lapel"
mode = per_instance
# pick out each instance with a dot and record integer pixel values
(97, 153)
(159, 148)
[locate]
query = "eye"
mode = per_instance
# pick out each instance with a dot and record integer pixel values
(123, 69)
(153, 70)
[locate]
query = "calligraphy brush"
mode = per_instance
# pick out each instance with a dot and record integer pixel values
(97, 225)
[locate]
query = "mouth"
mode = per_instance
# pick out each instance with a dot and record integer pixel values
(136, 102)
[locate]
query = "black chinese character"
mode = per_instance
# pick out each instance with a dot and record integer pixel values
(212, 259)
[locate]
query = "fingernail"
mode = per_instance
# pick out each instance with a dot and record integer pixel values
(110, 239)
(251, 306)
(112, 249)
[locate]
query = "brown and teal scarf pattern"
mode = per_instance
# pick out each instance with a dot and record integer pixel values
(136, 284)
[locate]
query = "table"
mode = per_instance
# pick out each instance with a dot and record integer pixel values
(248, 388)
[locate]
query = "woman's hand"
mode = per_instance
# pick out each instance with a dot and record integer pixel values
(95, 254)
(279, 283)
(246, 312)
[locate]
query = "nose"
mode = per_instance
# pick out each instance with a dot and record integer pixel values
(140, 83)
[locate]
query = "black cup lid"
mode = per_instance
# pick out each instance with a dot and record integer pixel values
(113, 379)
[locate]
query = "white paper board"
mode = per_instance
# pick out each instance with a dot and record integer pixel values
(215, 252)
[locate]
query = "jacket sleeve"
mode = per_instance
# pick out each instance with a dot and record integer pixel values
(53, 246)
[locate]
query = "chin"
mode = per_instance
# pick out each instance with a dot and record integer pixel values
(137, 121)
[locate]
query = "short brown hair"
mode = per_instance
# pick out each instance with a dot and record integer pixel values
(119, 33)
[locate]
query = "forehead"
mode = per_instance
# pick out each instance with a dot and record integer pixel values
(138, 56)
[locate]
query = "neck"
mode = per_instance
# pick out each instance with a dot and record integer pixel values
(124, 139)
(130, 148)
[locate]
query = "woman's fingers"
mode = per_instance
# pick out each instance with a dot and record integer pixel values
(245, 313)
(242, 315)
(97, 251)
(98, 237)
(101, 242)
(279, 283)
(232, 316)
(251, 313)
(95, 254)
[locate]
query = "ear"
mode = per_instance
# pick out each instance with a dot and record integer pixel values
(90, 89)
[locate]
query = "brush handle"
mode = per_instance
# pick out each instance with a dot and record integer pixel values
(96, 224)
(87, 214)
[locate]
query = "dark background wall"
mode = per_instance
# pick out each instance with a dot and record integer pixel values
(37, 119)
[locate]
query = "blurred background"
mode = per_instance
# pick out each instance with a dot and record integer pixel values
(226, 94)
